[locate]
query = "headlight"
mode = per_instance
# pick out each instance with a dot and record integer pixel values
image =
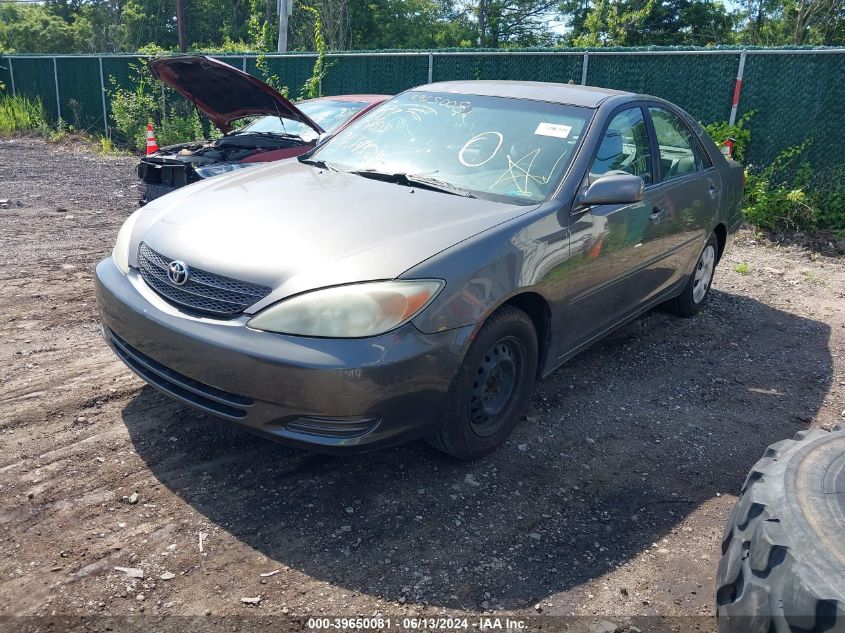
(352, 311)
(120, 253)
(215, 170)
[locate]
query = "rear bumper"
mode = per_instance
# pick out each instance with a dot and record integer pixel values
(328, 394)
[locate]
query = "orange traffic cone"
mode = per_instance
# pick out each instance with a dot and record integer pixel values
(152, 146)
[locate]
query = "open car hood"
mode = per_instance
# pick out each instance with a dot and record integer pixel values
(222, 92)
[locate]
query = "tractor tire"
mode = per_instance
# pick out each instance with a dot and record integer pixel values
(783, 550)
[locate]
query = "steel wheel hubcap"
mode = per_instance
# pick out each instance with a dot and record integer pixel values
(493, 385)
(703, 273)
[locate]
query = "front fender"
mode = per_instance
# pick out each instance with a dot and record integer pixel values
(527, 254)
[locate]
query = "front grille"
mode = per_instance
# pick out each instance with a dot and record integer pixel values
(203, 292)
(190, 391)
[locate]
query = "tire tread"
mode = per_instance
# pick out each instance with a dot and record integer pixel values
(765, 581)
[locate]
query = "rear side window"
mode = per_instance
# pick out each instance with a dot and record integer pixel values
(680, 154)
(624, 147)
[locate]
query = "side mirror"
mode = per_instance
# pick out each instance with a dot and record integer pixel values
(613, 189)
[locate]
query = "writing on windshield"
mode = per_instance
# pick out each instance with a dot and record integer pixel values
(488, 145)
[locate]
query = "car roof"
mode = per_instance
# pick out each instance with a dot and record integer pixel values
(569, 94)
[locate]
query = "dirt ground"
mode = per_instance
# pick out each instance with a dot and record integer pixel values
(609, 500)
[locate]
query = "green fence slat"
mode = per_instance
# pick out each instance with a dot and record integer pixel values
(34, 79)
(700, 84)
(556, 68)
(291, 71)
(5, 75)
(120, 69)
(391, 74)
(79, 91)
(795, 97)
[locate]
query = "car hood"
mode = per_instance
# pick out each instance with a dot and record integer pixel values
(222, 92)
(294, 228)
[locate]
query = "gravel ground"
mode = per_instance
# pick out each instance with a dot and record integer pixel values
(609, 500)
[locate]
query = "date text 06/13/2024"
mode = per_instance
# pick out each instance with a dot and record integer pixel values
(417, 624)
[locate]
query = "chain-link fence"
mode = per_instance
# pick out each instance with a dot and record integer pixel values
(796, 94)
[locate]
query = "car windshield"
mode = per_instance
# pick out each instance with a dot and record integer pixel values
(329, 114)
(490, 147)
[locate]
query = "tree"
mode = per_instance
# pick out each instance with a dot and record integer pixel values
(514, 22)
(648, 22)
(778, 22)
(380, 24)
(33, 28)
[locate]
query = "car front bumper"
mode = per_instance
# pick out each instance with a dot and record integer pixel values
(329, 394)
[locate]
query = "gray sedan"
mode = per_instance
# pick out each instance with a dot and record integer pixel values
(414, 275)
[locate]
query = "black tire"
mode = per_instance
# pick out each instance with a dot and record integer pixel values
(783, 550)
(685, 304)
(469, 430)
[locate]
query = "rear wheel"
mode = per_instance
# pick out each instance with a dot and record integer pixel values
(492, 386)
(697, 289)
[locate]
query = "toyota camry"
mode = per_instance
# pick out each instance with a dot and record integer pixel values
(414, 275)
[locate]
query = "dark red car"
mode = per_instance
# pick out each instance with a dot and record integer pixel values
(224, 95)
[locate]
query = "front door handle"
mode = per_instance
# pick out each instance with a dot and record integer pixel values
(713, 190)
(657, 215)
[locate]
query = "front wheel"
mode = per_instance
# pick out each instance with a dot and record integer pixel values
(697, 289)
(492, 386)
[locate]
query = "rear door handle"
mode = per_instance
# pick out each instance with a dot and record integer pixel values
(713, 190)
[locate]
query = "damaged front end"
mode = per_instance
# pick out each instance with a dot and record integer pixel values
(224, 95)
(175, 166)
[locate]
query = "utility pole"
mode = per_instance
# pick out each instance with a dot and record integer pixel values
(285, 9)
(180, 25)
(482, 21)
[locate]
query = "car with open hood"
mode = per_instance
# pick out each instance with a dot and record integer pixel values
(225, 95)
(414, 275)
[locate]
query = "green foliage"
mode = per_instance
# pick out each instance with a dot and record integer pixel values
(786, 195)
(269, 77)
(311, 88)
(647, 22)
(147, 102)
(380, 24)
(33, 28)
(778, 208)
(612, 23)
(775, 198)
(798, 22)
(106, 145)
(66, 26)
(19, 114)
(741, 268)
(829, 199)
(722, 130)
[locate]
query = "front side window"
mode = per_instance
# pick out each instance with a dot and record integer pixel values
(493, 147)
(624, 147)
(679, 153)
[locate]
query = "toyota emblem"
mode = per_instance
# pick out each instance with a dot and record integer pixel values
(178, 272)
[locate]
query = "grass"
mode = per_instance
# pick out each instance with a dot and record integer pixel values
(741, 268)
(813, 278)
(19, 114)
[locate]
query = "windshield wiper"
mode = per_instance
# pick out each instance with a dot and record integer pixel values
(285, 135)
(319, 162)
(415, 180)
